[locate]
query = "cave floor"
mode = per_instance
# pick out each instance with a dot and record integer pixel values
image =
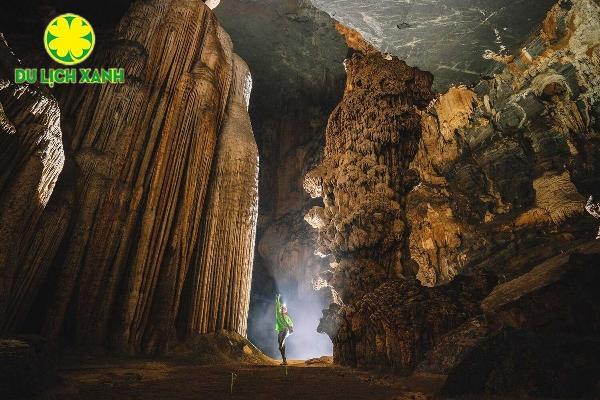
(135, 379)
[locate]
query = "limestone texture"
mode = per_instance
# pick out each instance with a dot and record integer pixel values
(128, 222)
(221, 276)
(393, 326)
(455, 40)
(556, 299)
(31, 159)
(491, 177)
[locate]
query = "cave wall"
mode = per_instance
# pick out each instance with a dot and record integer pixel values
(490, 178)
(149, 168)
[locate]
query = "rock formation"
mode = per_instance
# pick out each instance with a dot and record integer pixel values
(220, 278)
(371, 138)
(107, 261)
(31, 159)
(448, 40)
(492, 177)
(557, 297)
(515, 155)
(393, 326)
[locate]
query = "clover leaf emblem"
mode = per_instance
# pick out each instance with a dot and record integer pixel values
(69, 39)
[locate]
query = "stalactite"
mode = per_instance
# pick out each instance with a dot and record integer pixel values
(221, 276)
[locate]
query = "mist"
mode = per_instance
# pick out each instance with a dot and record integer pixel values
(304, 307)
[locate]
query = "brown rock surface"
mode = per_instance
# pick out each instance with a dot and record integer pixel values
(354, 39)
(558, 296)
(454, 346)
(396, 324)
(493, 177)
(31, 159)
(533, 334)
(112, 250)
(541, 337)
(371, 138)
(220, 278)
(510, 157)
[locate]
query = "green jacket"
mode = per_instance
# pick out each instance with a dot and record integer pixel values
(281, 321)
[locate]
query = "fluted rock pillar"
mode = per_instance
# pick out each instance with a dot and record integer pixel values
(220, 280)
(114, 246)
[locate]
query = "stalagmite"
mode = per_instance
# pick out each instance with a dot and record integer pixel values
(221, 276)
(371, 138)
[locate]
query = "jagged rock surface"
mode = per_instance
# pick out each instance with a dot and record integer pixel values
(542, 334)
(113, 247)
(518, 154)
(454, 346)
(558, 296)
(395, 325)
(371, 137)
(31, 159)
(492, 177)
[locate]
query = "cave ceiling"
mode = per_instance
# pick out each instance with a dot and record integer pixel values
(446, 37)
(290, 46)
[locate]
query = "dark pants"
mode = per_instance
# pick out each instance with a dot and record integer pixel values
(281, 336)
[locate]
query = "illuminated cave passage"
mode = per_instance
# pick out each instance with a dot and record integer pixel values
(417, 179)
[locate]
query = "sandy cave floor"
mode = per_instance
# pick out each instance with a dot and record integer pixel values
(135, 379)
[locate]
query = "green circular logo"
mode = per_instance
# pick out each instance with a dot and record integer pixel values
(69, 39)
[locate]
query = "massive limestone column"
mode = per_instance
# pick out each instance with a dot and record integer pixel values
(113, 247)
(371, 138)
(221, 276)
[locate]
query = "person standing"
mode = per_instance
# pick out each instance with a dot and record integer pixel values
(283, 325)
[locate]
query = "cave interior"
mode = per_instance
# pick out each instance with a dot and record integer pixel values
(418, 179)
